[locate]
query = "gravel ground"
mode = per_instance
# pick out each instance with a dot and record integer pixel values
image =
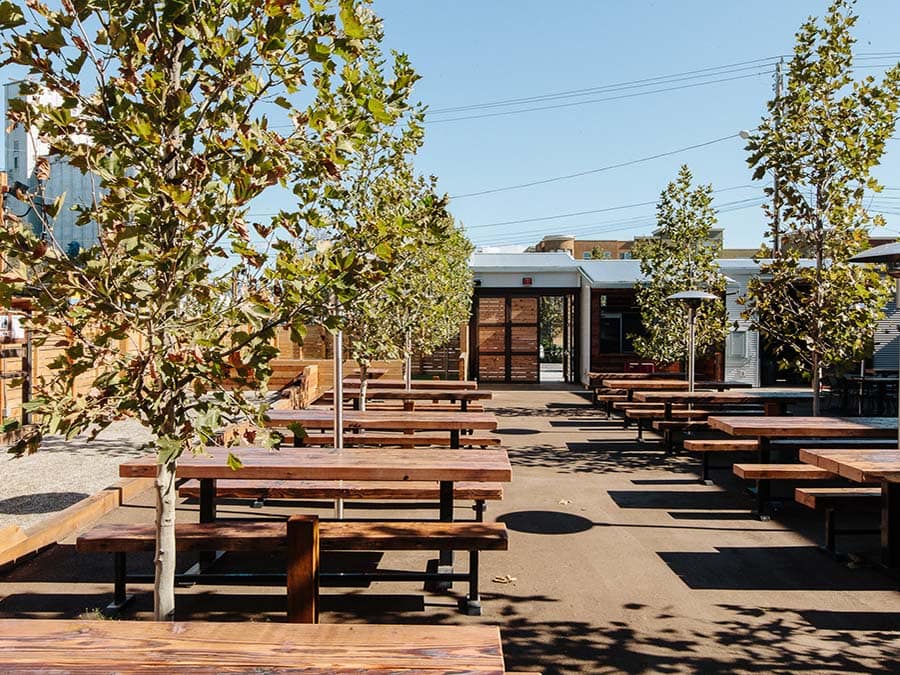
(35, 487)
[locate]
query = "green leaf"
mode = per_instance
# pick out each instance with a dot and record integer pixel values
(234, 463)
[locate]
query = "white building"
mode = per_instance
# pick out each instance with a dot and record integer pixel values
(23, 149)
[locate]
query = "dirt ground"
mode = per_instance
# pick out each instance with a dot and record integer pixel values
(619, 561)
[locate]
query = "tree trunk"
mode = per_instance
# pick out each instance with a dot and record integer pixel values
(363, 384)
(164, 583)
(407, 364)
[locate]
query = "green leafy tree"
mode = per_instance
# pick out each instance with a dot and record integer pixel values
(822, 139)
(168, 107)
(679, 257)
(427, 307)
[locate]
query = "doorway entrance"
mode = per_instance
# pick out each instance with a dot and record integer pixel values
(523, 338)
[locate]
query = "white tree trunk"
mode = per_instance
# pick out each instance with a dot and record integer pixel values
(164, 583)
(363, 384)
(407, 364)
(816, 385)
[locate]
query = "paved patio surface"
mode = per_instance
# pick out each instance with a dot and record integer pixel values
(619, 561)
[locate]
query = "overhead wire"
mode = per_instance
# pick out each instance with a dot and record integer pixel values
(619, 165)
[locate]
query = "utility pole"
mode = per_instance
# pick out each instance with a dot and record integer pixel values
(776, 193)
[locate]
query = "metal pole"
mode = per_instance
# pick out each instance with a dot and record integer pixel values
(692, 314)
(776, 194)
(339, 407)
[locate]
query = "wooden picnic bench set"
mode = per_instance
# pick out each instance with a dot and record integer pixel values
(366, 469)
(823, 450)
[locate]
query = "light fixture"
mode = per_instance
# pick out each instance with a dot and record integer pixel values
(693, 300)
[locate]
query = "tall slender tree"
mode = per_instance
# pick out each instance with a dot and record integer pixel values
(176, 110)
(680, 256)
(823, 137)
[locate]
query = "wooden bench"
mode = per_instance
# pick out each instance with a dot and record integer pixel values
(91, 646)
(253, 535)
(481, 439)
(708, 445)
(764, 473)
(609, 400)
(831, 499)
(260, 490)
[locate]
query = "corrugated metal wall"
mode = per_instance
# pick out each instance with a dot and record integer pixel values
(742, 345)
(887, 339)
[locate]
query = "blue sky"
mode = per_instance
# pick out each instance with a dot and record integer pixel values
(474, 52)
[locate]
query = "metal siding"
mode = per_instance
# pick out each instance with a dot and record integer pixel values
(887, 339)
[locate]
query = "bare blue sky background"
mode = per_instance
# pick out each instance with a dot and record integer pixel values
(477, 51)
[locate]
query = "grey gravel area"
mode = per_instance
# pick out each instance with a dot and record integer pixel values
(60, 473)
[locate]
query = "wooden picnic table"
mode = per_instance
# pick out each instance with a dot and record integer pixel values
(387, 420)
(385, 383)
(364, 464)
(765, 428)
(774, 402)
(75, 645)
(463, 396)
(869, 466)
(631, 386)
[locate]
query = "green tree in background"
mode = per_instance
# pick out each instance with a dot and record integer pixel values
(679, 257)
(184, 112)
(822, 139)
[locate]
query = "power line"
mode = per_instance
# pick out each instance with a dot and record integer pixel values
(559, 216)
(593, 171)
(597, 100)
(628, 84)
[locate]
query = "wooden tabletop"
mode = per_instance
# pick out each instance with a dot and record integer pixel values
(859, 465)
(388, 420)
(383, 383)
(419, 394)
(392, 464)
(72, 645)
(733, 396)
(805, 427)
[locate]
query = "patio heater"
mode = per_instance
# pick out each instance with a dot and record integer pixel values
(693, 300)
(889, 256)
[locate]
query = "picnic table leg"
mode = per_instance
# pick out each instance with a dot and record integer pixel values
(471, 604)
(763, 485)
(890, 523)
(463, 405)
(445, 558)
(454, 444)
(303, 569)
(207, 515)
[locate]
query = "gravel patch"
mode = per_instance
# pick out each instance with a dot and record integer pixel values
(60, 473)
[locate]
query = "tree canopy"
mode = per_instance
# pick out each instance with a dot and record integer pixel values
(680, 256)
(184, 113)
(820, 141)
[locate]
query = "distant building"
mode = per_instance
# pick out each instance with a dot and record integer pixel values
(23, 150)
(609, 249)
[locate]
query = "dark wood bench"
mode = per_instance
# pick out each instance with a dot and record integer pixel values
(481, 439)
(253, 535)
(609, 399)
(707, 445)
(260, 490)
(763, 474)
(832, 499)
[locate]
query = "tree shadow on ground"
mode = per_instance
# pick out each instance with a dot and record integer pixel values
(778, 640)
(116, 447)
(40, 502)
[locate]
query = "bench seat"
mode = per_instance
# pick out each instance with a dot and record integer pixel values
(832, 499)
(857, 497)
(721, 444)
(781, 472)
(480, 439)
(253, 535)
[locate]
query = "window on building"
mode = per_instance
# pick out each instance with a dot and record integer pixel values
(586, 255)
(626, 255)
(736, 345)
(616, 330)
(607, 255)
